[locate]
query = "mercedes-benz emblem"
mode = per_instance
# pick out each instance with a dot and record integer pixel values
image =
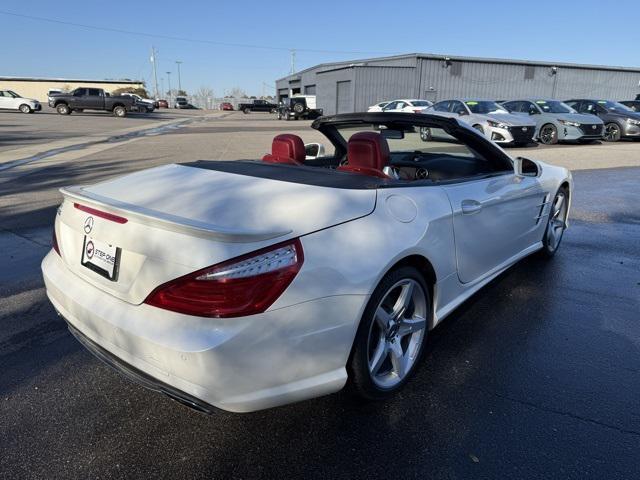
(88, 225)
(524, 129)
(594, 126)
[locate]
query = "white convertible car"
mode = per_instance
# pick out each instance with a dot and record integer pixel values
(249, 284)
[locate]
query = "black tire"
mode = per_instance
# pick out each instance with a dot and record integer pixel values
(119, 111)
(548, 250)
(479, 128)
(24, 108)
(63, 109)
(298, 108)
(246, 110)
(360, 381)
(548, 134)
(613, 132)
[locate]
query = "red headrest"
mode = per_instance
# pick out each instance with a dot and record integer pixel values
(286, 148)
(367, 153)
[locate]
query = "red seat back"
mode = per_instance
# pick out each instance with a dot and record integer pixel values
(287, 149)
(368, 154)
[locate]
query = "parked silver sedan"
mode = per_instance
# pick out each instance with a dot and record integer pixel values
(557, 121)
(489, 118)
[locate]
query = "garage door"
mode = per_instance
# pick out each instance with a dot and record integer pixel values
(344, 102)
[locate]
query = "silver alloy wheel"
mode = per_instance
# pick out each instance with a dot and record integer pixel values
(396, 334)
(548, 134)
(425, 134)
(557, 222)
(24, 108)
(612, 132)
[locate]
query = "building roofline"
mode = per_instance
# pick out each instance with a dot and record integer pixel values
(72, 80)
(434, 56)
(336, 65)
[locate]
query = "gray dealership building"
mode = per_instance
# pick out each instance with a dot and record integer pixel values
(352, 86)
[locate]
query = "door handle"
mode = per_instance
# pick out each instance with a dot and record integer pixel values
(469, 207)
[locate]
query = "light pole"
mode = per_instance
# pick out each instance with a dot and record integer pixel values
(178, 62)
(169, 80)
(154, 61)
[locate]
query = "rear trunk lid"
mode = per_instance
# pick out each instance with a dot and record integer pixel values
(175, 219)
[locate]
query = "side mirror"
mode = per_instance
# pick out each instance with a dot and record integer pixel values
(533, 112)
(523, 167)
(461, 112)
(313, 150)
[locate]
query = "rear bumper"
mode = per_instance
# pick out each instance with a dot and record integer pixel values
(237, 364)
(138, 376)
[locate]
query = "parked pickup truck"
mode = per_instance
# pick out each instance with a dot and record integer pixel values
(91, 99)
(258, 106)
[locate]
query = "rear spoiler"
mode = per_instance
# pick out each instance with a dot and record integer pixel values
(169, 222)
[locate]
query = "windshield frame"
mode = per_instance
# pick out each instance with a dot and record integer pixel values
(329, 126)
(557, 102)
(610, 105)
(476, 103)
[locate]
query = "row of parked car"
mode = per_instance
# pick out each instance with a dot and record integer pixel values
(85, 98)
(523, 121)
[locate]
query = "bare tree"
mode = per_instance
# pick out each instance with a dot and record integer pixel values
(203, 97)
(237, 92)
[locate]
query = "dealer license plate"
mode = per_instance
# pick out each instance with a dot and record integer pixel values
(101, 257)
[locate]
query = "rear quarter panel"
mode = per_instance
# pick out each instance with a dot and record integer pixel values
(352, 258)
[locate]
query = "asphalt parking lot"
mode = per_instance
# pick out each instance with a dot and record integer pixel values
(20, 130)
(536, 376)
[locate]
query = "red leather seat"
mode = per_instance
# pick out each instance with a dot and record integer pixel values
(368, 154)
(287, 149)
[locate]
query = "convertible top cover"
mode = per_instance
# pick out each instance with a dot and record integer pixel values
(320, 177)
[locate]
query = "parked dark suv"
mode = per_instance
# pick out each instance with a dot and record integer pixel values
(619, 120)
(302, 106)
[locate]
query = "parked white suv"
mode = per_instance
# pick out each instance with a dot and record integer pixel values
(10, 100)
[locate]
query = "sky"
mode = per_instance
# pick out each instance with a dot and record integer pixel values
(246, 44)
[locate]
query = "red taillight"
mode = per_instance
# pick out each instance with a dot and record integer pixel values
(100, 213)
(417, 110)
(241, 286)
(54, 241)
